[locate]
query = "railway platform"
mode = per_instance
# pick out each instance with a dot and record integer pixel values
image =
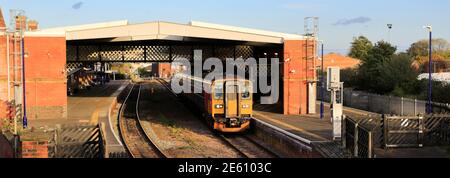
(310, 127)
(87, 106)
(91, 107)
(317, 130)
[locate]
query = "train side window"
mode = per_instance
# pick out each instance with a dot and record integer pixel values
(218, 91)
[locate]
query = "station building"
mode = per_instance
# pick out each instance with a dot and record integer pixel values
(51, 54)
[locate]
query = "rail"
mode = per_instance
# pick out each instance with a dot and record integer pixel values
(155, 149)
(158, 149)
(295, 142)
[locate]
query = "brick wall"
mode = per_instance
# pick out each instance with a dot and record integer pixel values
(46, 82)
(45, 77)
(3, 75)
(34, 149)
(296, 72)
(164, 69)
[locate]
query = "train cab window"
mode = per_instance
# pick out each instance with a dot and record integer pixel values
(218, 91)
(245, 92)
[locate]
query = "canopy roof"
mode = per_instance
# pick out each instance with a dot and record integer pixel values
(123, 31)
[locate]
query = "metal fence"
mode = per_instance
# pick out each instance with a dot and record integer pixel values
(386, 104)
(357, 139)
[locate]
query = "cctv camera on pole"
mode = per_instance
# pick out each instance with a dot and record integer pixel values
(336, 87)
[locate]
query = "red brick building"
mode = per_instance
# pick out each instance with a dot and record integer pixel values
(45, 81)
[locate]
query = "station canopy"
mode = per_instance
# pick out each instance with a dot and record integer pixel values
(120, 31)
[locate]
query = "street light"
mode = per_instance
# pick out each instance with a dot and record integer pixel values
(389, 33)
(429, 108)
(24, 119)
(321, 83)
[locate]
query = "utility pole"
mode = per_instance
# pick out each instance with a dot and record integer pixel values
(25, 119)
(322, 83)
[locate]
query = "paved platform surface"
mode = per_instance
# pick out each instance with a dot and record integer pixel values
(310, 127)
(87, 106)
(92, 106)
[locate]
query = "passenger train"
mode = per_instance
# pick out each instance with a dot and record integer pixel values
(227, 104)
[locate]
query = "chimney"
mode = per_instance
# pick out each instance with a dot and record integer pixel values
(33, 25)
(21, 22)
(2, 20)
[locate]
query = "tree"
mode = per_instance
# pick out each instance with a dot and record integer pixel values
(360, 48)
(371, 69)
(420, 48)
(382, 51)
(398, 77)
(143, 72)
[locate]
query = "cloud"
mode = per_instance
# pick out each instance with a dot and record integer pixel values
(294, 6)
(360, 20)
(77, 5)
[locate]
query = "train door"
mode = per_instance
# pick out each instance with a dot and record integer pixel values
(231, 100)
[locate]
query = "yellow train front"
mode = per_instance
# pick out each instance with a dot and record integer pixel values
(227, 105)
(230, 105)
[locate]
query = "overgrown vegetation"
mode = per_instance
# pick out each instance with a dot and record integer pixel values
(384, 71)
(144, 72)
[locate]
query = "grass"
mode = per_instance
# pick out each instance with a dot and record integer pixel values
(166, 122)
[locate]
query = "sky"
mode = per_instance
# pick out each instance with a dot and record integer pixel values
(339, 21)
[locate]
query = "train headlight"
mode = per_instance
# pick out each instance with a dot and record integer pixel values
(245, 106)
(219, 106)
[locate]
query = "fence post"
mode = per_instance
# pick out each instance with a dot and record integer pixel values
(344, 132)
(421, 131)
(415, 107)
(104, 148)
(369, 147)
(356, 140)
(402, 106)
(385, 126)
(17, 146)
(57, 129)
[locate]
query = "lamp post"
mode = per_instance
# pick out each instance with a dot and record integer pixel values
(321, 83)
(430, 63)
(25, 119)
(389, 33)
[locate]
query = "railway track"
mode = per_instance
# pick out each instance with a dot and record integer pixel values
(136, 140)
(245, 146)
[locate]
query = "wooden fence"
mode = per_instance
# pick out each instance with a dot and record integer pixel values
(416, 131)
(357, 139)
(77, 141)
(402, 131)
(437, 129)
